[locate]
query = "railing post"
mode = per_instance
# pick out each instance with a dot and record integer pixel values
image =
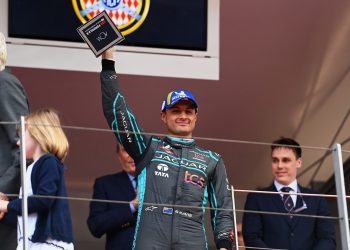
(234, 217)
(24, 184)
(341, 196)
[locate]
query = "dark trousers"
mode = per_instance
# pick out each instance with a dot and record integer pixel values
(8, 237)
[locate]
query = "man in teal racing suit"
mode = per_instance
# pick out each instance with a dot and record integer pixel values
(176, 178)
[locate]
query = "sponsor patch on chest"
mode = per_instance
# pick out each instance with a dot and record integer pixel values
(194, 179)
(162, 170)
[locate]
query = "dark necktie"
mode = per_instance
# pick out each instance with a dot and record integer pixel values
(134, 183)
(287, 199)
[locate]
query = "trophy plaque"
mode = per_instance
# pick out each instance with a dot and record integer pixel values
(100, 33)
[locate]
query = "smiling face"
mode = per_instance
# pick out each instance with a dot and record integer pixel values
(285, 165)
(180, 119)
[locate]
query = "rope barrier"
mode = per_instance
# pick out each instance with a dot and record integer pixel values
(197, 138)
(181, 206)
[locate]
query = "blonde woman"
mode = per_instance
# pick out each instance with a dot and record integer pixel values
(49, 220)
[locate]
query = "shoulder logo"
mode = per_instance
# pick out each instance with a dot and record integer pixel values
(128, 15)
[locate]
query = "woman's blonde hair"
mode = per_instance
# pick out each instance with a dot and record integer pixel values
(45, 127)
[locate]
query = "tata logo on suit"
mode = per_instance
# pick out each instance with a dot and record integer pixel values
(162, 170)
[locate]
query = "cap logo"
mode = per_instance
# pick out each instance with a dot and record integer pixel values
(178, 95)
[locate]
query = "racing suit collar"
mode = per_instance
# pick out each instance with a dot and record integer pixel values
(177, 142)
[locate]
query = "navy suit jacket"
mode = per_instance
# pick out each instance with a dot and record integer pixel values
(287, 232)
(114, 220)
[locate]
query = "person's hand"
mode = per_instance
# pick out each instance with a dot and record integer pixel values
(108, 54)
(3, 197)
(3, 206)
(135, 202)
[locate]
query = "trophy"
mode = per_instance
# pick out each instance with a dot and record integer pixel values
(100, 33)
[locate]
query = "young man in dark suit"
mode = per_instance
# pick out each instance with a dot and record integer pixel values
(116, 220)
(292, 231)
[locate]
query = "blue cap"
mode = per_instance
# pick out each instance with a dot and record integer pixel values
(178, 95)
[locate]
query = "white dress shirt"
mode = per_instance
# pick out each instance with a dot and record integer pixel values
(293, 186)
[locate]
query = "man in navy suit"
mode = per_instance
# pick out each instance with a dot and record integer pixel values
(116, 220)
(292, 231)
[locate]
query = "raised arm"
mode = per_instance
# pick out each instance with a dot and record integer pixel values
(119, 116)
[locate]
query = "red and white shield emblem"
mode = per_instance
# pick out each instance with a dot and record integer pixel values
(128, 15)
